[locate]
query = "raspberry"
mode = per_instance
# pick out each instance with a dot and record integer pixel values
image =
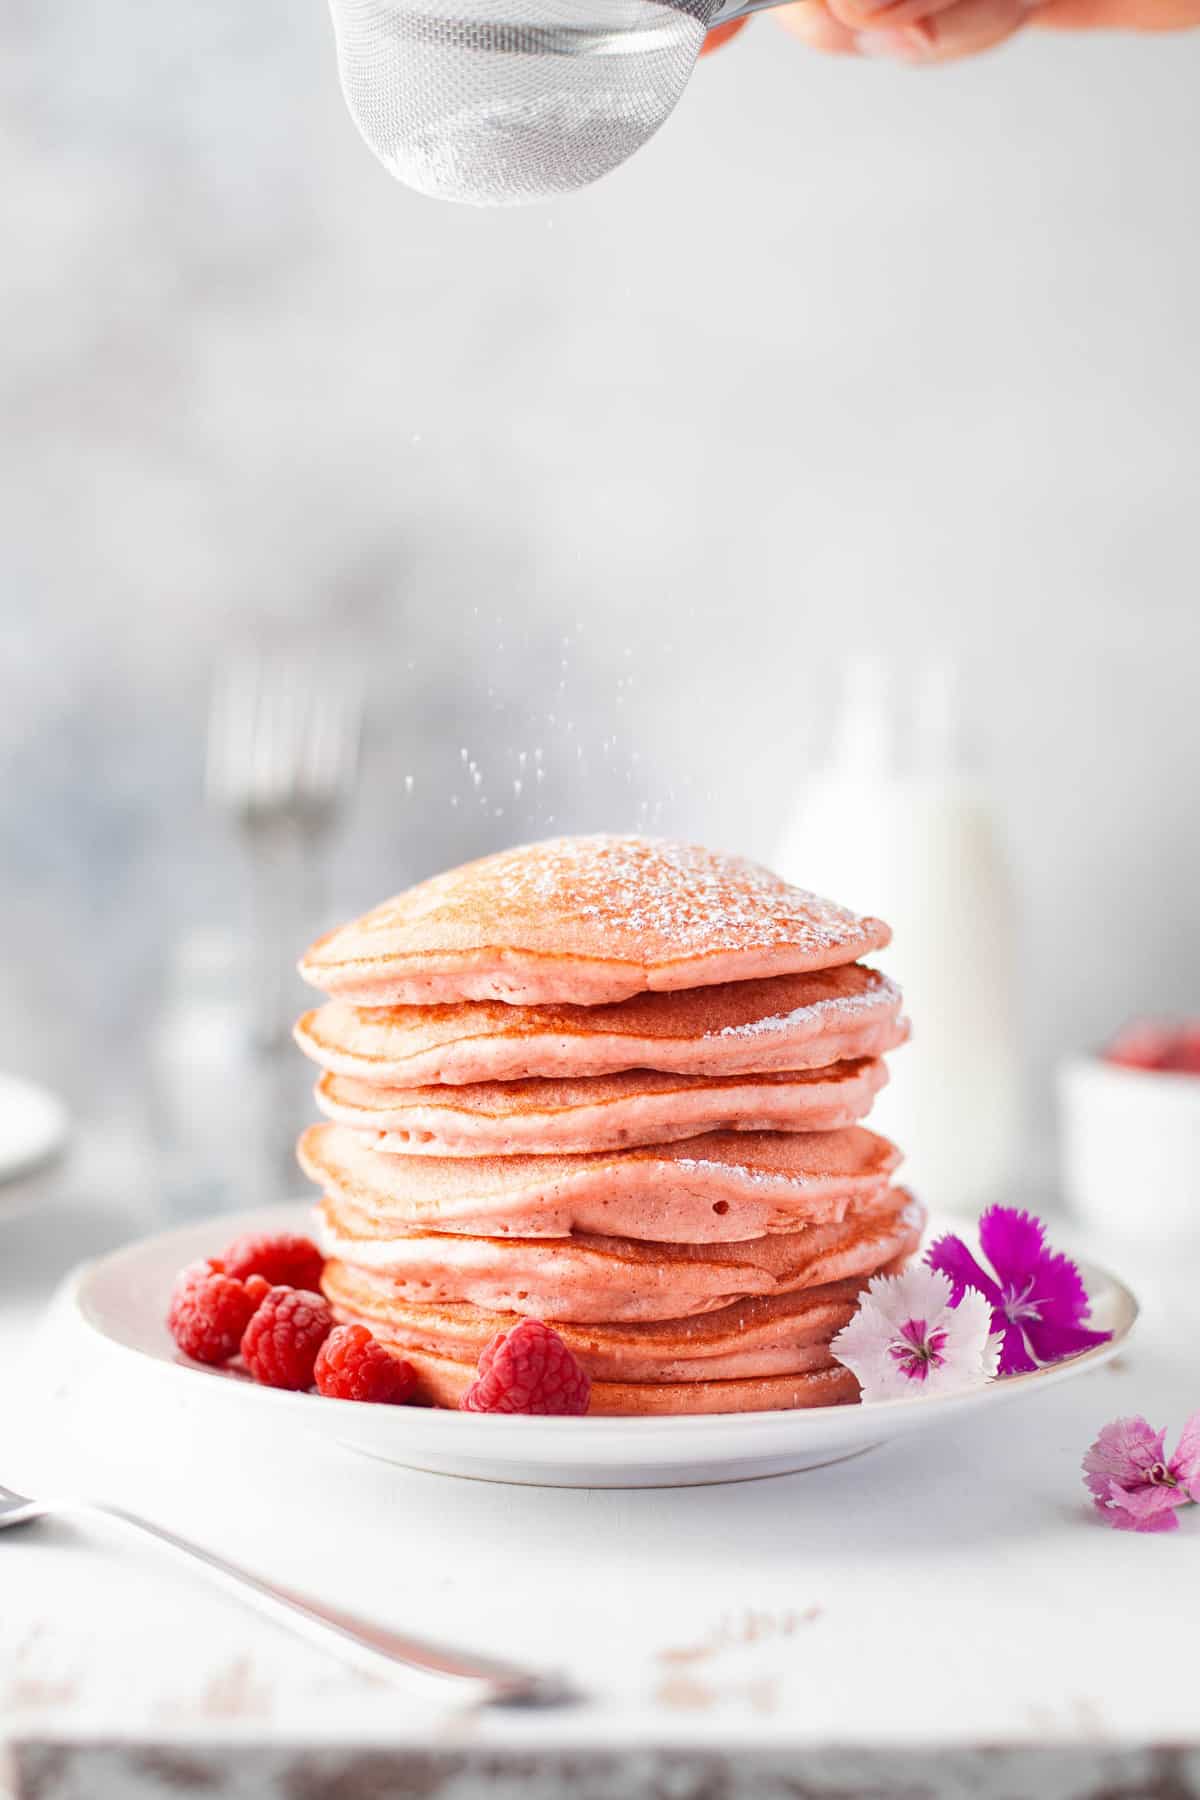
(198, 1271)
(1185, 1052)
(351, 1365)
(1143, 1044)
(208, 1313)
(285, 1260)
(528, 1370)
(258, 1287)
(281, 1341)
(1157, 1044)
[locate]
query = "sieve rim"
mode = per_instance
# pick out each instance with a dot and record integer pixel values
(492, 37)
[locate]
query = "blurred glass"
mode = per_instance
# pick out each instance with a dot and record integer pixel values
(225, 1110)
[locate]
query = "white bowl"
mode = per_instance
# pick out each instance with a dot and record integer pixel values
(1130, 1145)
(121, 1302)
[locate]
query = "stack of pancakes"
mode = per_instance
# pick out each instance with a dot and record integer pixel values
(614, 1084)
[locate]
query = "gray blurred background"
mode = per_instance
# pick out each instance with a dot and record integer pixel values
(850, 355)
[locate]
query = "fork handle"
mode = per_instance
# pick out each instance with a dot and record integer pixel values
(275, 858)
(357, 1641)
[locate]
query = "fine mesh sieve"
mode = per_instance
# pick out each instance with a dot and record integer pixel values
(495, 102)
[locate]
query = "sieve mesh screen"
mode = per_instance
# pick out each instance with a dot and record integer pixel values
(505, 101)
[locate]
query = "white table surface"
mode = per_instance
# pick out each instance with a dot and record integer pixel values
(897, 1613)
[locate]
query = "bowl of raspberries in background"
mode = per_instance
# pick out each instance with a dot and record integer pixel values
(257, 1310)
(1130, 1133)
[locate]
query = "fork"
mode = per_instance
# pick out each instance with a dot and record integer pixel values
(284, 727)
(368, 1647)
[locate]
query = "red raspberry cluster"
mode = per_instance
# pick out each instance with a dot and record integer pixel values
(260, 1300)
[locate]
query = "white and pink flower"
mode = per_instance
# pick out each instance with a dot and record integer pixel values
(909, 1338)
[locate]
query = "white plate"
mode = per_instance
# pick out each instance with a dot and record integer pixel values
(124, 1300)
(33, 1127)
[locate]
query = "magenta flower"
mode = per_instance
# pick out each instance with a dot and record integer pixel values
(1133, 1485)
(1037, 1296)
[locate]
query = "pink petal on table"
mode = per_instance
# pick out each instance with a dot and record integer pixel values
(1185, 1464)
(1122, 1455)
(1141, 1509)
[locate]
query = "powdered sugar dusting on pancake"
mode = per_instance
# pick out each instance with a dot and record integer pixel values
(679, 899)
(782, 1022)
(588, 920)
(844, 1006)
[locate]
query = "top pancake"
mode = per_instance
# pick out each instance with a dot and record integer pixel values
(586, 920)
(784, 1022)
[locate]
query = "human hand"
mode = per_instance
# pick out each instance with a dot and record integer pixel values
(938, 31)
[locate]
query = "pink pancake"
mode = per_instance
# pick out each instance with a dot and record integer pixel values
(586, 920)
(732, 1028)
(713, 1189)
(443, 1383)
(786, 1334)
(606, 1280)
(598, 1112)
